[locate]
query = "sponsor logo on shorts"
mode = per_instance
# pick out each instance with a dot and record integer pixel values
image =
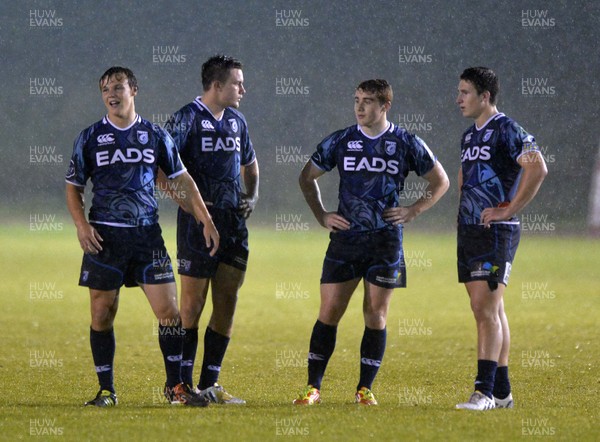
(240, 260)
(394, 279)
(484, 269)
(506, 273)
(385, 280)
(166, 275)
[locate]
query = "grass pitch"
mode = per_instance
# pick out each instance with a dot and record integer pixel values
(46, 368)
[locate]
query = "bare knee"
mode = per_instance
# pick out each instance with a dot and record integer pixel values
(485, 312)
(168, 315)
(103, 309)
(375, 319)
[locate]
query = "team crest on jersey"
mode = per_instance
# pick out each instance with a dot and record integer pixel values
(390, 147)
(488, 134)
(468, 137)
(142, 136)
(234, 125)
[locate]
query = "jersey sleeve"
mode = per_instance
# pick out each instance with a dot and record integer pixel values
(247, 150)
(324, 158)
(78, 171)
(168, 155)
(421, 159)
(519, 142)
(179, 126)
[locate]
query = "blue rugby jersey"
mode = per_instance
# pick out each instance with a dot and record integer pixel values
(372, 171)
(122, 165)
(213, 150)
(490, 170)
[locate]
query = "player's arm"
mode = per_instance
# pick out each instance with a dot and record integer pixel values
(533, 173)
(312, 194)
(191, 201)
(169, 188)
(89, 238)
(437, 185)
(249, 197)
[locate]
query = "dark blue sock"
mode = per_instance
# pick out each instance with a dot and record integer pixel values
(322, 344)
(103, 352)
(486, 372)
(501, 383)
(170, 339)
(190, 345)
(372, 349)
(215, 346)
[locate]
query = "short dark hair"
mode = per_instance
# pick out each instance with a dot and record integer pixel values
(484, 79)
(217, 68)
(381, 88)
(118, 71)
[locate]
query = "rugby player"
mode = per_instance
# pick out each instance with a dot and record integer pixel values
(122, 243)
(373, 158)
(216, 148)
(501, 171)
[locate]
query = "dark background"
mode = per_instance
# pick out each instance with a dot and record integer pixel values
(327, 48)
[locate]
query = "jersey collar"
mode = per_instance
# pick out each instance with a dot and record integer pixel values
(202, 106)
(136, 120)
(493, 117)
(390, 128)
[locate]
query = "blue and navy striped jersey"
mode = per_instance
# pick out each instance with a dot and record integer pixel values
(372, 171)
(213, 150)
(490, 170)
(122, 165)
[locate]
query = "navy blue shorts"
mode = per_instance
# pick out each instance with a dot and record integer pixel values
(193, 257)
(486, 254)
(130, 256)
(375, 256)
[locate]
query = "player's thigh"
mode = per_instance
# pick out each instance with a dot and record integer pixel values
(193, 299)
(163, 300)
(377, 301)
(335, 298)
(225, 286)
(227, 281)
(103, 308)
(485, 301)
